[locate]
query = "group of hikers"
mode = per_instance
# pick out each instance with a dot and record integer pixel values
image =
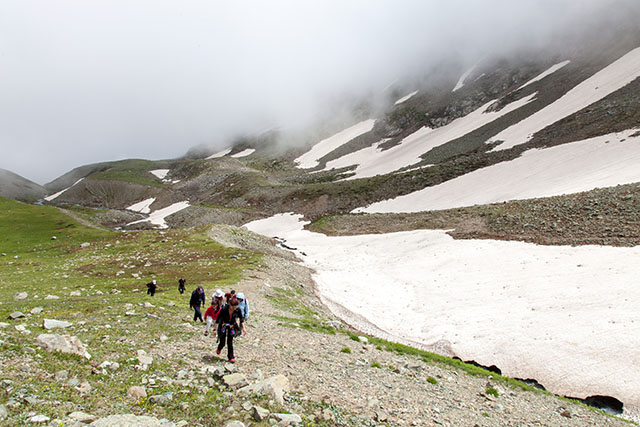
(229, 311)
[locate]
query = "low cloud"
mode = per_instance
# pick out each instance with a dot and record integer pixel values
(83, 82)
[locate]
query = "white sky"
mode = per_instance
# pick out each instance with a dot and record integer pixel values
(83, 81)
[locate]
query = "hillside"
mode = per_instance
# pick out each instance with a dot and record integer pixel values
(13, 186)
(95, 281)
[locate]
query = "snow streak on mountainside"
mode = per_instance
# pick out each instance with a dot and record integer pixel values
(610, 79)
(310, 158)
(158, 217)
(603, 161)
(56, 195)
(372, 161)
(546, 73)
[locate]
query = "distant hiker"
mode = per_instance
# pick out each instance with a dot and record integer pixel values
(229, 321)
(181, 283)
(228, 295)
(197, 299)
(211, 314)
(151, 287)
(243, 306)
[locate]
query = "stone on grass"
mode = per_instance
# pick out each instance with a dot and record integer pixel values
(163, 338)
(84, 387)
(61, 375)
(3, 325)
(234, 423)
(259, 413)
(143, 358)
(20, 296)
(275, 387)
(39, 419)
(16, 315)
(75, 294)
(63, 343)
(36, 310)
(53, 324)
(82, 417)
(3, 412)
(162, 399)
(137, 392)
(50, 297)
(235, 381)
(148, 305)
(288, 418)
(130, 420)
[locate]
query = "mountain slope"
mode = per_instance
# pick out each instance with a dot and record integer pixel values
(13, 186)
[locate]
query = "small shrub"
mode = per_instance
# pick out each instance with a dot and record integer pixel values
(346, 350)
(391, 367)
(484, 414)
(492, 391)
(432, 380)
(376, 365)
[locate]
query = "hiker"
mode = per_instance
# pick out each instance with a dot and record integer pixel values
(228, 295)
(229, 321)
(197, 299)
(244, 309)
(151, 287)
(211, 314)
(181, 283)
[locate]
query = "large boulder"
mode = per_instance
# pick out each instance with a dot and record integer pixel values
(63, 343)
(53, 324)
(275, 387)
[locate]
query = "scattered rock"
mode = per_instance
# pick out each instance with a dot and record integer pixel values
(85, 244)
(3, 412)
(20, 296)
(163, 338)
(148, 305)
(162, 399)
(234, 424)
(53, 324)
(36, 311)
(566, 413)
(130, 420)
(75, 294)
(50, 297)
(275, 387)
(288, 418)
(259, 413)
(235, 380)
(61, 375)
(63, 343)
(84, 387)
(82, 417)
(16, 315)
(144, 359)
(3, 325)
(137, 392)
(39, 419)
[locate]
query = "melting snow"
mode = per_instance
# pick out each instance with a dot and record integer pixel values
(160, 173)
(244, 153)
(608, 80)
(541, 76)
(219, 154)
(603, 161)
(158, 217)
(405, 98)
(463, 77)
(143, 206)
(324, 147)
(373, 161)
(53, 196)
(496, 302)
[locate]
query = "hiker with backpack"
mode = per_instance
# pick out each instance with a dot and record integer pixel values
(244, 309)
(197, 299)
(212, 312)
(151, 287)
(181, 283)
(229, 326)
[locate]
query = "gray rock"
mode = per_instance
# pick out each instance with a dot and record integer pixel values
(3, 412)
(235, 381)
(20, 296)
(162, 399)
(50, 297)
(137, 392)
(61, 375)
(234, 424)
(84, 387)
(73, 382)
(3, 325)
(275, 387)
(63, 343)
(288, 418)
(75, 294)
(144, 359)
(39, 419)
(36, 310)
(130, 420)
(16, 315)
(53, 324)
(82, 417)
(259, 413)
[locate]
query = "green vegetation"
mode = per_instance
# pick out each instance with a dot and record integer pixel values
(134, 170)
(492, 391)
(376, 364)
(432, 380)
(345, 350)
(99, 275)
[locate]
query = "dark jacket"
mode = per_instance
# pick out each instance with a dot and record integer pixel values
(235, 319)
(197, 299)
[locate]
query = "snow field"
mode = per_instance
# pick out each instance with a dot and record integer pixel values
(244, 153)
(603, 161)
(56, 195)
(143, 206)
(565, 316)
(158, 217)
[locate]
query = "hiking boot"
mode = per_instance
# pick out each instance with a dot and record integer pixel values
(232, 360)
(218, 351)
(206, 333)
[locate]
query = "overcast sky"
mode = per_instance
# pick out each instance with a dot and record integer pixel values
(87, 81)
